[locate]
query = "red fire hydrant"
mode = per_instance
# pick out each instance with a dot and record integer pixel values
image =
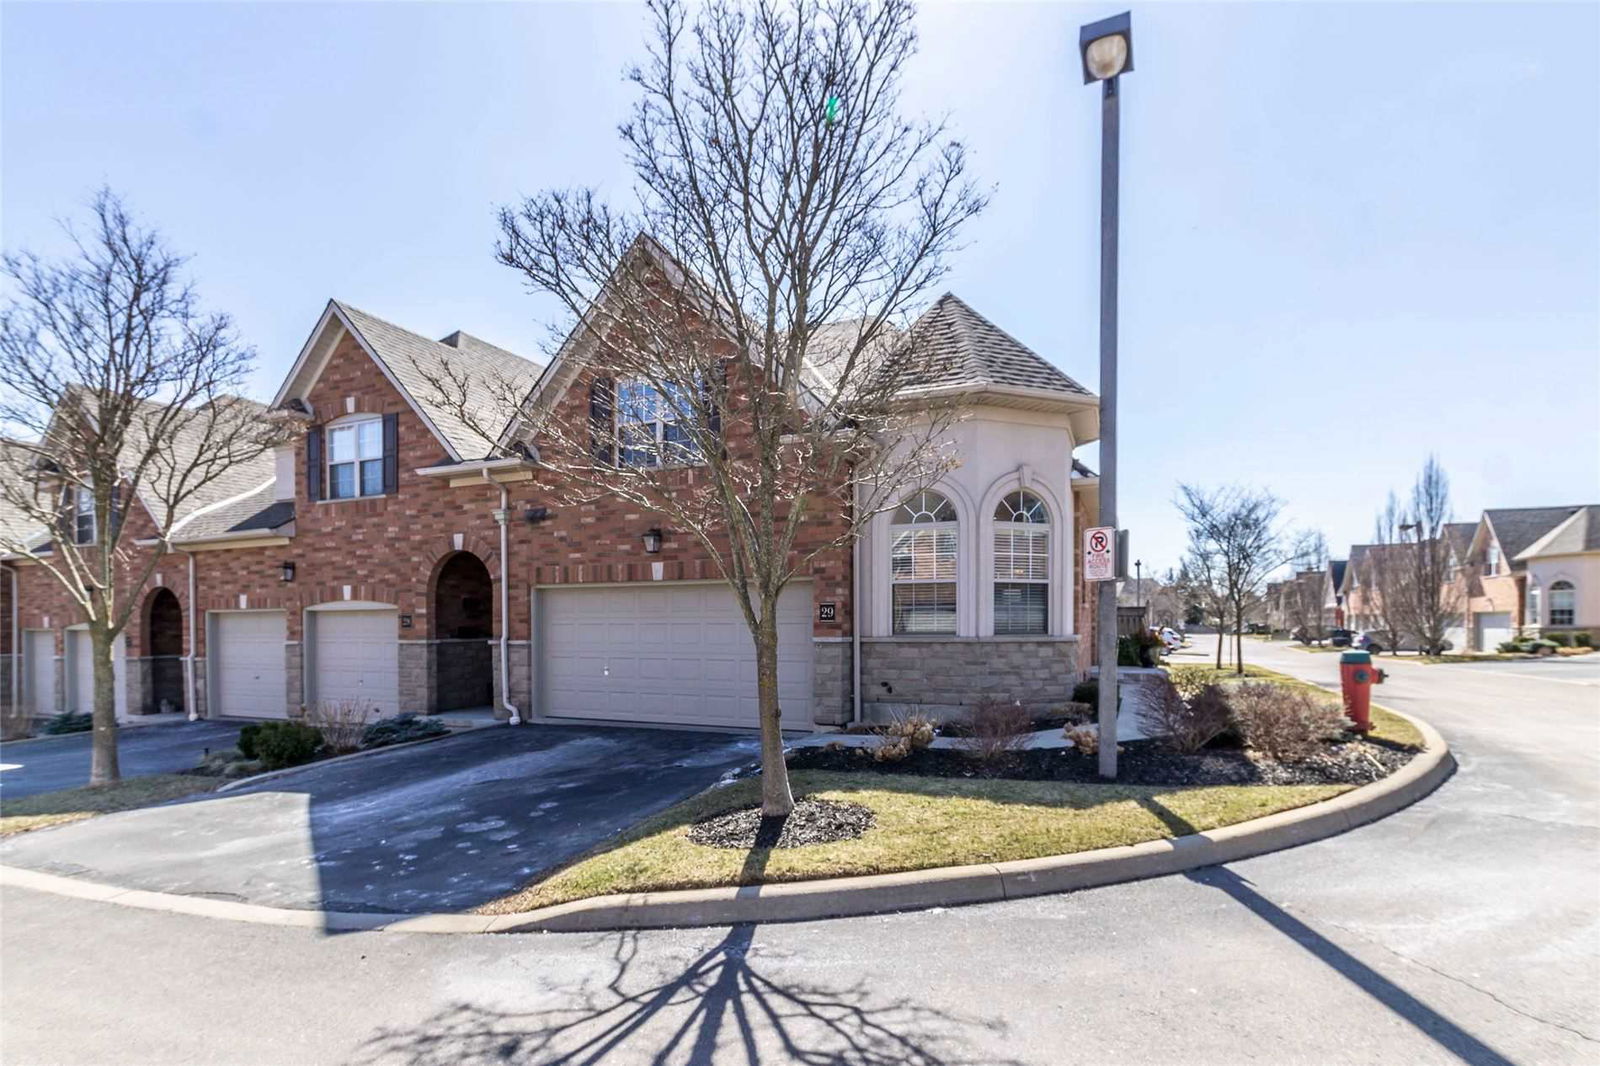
(1357, 676)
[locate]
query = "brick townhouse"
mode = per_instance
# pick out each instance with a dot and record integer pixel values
(391, 557)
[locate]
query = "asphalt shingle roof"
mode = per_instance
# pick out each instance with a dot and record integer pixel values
(965, 349)
(255, 512)
(1579, 533)
(1518, 527)
(485, 367)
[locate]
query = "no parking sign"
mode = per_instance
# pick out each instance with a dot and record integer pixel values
(1100, 553)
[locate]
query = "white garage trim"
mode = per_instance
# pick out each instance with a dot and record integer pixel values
(39, 671)
(247, 674)
(352, 652)
(1492, 629)
(80, 672)
(670, 653)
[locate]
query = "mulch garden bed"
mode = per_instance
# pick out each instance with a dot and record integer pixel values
(813, 821)
(1141, 762)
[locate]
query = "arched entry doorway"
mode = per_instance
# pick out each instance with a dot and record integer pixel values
(463, 624)
(163, 653)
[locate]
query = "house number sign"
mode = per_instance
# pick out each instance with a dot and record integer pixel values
(827, 612)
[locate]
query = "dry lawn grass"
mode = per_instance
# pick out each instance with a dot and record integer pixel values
(75, 804)
(921, 823)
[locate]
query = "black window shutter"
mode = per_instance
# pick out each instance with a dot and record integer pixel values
(66, 517)
(391, 454)
(602, 420)
(314, 463)
(709, 390)
(116, 513)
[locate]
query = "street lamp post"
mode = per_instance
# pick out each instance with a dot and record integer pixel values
(1138, 583)
(1106, 48)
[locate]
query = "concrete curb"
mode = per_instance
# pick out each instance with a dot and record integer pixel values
(848, 896)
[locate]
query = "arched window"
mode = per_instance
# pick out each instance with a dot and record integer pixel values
(1563, 604)
(1531, 610)
(922, 563)
(1021, 564)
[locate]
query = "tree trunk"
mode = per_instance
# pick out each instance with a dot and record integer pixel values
(776, 798)
(1222, 635)
(103, 768)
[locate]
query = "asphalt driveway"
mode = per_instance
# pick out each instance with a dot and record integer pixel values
(51, 763)
(435, 827)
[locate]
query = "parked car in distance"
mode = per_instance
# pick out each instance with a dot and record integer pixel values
(1169, 637)
(1341, 638)
(1377, 643)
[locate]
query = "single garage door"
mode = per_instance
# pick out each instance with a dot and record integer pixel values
(671, 654)
(246, 664)
(80, 673)
(356, 656)
(41, 675)
(1493, 630)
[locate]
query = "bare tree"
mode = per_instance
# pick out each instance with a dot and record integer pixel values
(1302, 594)
(1383, 575)
(1430, 600)
(118, 388)
(1202, 586)
(751, 374)
(1233, 539)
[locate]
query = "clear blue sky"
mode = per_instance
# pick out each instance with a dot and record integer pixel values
(1353, 233)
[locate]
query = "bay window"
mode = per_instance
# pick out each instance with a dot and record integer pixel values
(922, 564)
(1021, 565)
(1563, 604)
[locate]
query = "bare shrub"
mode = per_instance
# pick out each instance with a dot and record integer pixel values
(341, 722)
(1189, 680)
(891, 749)
(917, 729)
(1184, 725)
(1285, 724)
(1085, 738)
(999, 729)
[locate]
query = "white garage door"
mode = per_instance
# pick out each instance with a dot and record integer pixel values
(246, 665)
(80, 673)
(669, 654)
(1493, 630)
(41, 676)
(357, 657)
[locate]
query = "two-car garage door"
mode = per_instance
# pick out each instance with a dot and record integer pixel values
(670, 654)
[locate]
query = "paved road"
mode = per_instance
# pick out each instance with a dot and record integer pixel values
(1460, 930)
(51, 763)
(436, 827)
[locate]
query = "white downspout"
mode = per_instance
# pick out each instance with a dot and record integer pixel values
(855, 614)
(503, 516)
(16, 644)
(188, 660)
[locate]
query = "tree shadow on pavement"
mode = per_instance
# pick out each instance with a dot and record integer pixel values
(721, 1008)
(1446, 1033)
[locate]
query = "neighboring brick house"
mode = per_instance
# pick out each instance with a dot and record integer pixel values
(390, 557)
(1562, 569)
(1496, 572)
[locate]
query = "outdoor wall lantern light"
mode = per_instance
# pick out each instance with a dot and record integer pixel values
(652, 541)
(1107, 48)
(288, 572)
